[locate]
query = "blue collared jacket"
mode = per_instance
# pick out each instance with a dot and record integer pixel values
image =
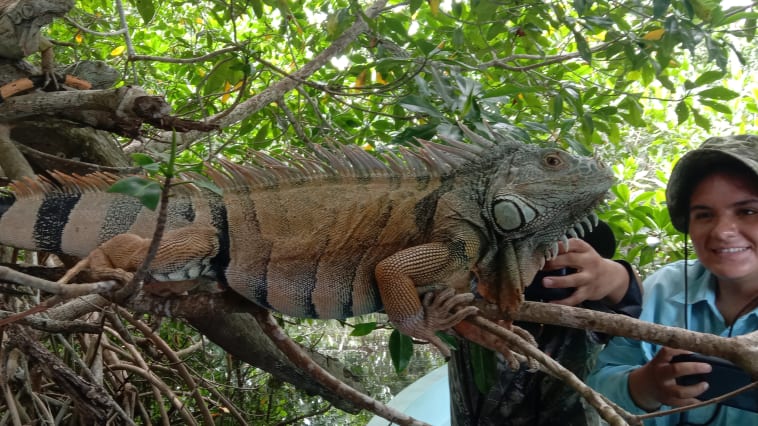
(664, 303)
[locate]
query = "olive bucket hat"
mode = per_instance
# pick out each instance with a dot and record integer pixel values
(694, 165)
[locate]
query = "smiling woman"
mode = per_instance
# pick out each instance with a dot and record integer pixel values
(713, 196)
(724, 227)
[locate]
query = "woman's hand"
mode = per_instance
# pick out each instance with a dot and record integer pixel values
(654, 383)
(596, 278)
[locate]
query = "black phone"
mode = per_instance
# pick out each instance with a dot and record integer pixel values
(536, 291)
(724, 377)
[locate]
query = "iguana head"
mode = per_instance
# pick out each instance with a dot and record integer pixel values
(534, 198)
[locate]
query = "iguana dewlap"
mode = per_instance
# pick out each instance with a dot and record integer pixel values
(338, 233)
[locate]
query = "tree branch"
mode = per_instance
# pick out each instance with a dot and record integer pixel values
(742, 350)
(278, 89)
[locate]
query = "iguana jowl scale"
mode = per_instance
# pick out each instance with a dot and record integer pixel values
(336, 233)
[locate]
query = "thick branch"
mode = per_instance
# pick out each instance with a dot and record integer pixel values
(121, 110)
(742, 350)
(225, 319)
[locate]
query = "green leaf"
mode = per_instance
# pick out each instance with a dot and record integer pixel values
(509, 90)
(146, 162)
(647, 255)
(709, 77)
(409, 134)
(415, 5)
(401, 350)
(749, 29)
(588, 125)
(146, 9)
(734, 17)
(257, 6)
(209, 185)
(682, 112)
(418, 104)
(660, 7)
(447, 338)
(580, 6)
(622, 192)
(606, 111)
(716, 106)
(484, 365)
(459, 39)
(557, 106)
(720, 93)
(363, 329)
(146, 190)
(582, 46)
(701, 121)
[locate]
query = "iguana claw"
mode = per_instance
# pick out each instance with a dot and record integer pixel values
(437, 316)
(437, 307)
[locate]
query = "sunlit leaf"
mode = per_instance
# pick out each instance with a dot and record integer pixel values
(720, 93)
(682, 112)
(654, 35)
(749, 28)
(701, 120)
(716, 106)
(118, 50)
(708, 77)
(434, 6)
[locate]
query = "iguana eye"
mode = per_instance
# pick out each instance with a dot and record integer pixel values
(553, 160)
(512, 213)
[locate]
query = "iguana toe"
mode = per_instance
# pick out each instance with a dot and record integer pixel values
(438, 315)
(437, 306)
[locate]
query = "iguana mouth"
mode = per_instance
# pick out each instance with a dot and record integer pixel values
(521, 263)
(584, 226)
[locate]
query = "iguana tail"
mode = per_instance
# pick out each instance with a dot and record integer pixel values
(73, 214)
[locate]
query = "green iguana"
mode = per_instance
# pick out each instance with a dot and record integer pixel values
(21, 23)
(336, 233)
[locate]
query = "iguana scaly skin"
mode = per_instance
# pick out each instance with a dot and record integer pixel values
(337, 233)
(20, 24)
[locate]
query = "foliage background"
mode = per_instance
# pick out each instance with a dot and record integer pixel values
(637, 83)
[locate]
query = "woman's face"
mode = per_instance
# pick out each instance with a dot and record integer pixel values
(724, 226)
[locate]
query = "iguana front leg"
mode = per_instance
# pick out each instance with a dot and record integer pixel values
(399, 277)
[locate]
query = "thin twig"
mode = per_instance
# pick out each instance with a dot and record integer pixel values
(611, 413)
(64, 290)
(157, 385)
(300, 358)
(178, 364)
